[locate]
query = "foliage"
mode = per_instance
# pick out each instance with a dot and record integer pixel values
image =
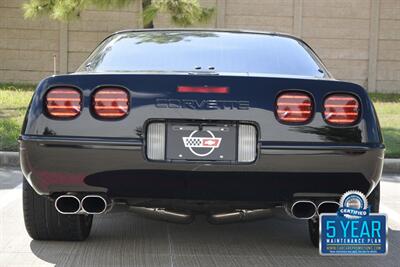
(14, 100)
(183, 12)
(385, 97)
(389, 119)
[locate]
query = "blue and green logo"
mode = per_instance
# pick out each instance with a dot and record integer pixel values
(353, 230)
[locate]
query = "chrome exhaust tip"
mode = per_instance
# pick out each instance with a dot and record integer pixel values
(328, 207)
(67, 204)
(94, 204)
(303, 209)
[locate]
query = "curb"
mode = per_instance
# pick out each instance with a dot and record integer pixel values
(391, 166)
(11, 159)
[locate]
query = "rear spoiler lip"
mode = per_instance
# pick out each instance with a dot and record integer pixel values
(200, 73)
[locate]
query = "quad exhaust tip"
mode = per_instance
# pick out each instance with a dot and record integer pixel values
(328, 207)
(94, 204)
(90, 204)
(303, 209)
(68, 204)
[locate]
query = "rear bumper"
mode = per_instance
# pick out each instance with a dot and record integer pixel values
(119, 168)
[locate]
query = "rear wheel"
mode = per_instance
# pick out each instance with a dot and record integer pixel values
(313, 231)
(43, 222)
(375, 198)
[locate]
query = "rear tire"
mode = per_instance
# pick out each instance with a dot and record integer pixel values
(374, 199)
(313, 231)
(44, 222)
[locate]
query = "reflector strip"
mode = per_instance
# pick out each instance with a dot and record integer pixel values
(340, 113)
(75, 107)
(115, 114)
(341, 106)
(64, 114)
(155, 141)
(342, 98)
(294, 104)
(247, 143)
(62, 99)
(293, 96)
(294, 119)
(110, 99)
(61, 91)
(341, 120)
(112, 108)
(109, 92)
(294, 111)
(203, 89)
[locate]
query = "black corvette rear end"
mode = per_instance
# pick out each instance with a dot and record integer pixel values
(199, 139)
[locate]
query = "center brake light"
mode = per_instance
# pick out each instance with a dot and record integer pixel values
(203, 89)
(294, 107)
(63, 102)
(111, 103)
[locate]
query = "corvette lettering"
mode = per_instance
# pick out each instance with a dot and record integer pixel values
(202, 104)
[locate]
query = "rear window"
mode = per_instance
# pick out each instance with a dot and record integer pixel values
(203, 51)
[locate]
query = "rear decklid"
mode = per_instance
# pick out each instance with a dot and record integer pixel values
(245, 98)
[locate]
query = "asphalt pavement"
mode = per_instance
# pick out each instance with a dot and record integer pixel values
(121, 238)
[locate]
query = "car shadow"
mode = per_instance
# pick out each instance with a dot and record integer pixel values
(125, 239)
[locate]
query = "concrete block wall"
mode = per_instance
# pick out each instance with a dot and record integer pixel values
(339, 32)
(26, 48)
(359, 40)
(388, 59)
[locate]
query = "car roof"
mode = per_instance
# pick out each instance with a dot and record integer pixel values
(220, 30)
(238, 31)
(287, 35)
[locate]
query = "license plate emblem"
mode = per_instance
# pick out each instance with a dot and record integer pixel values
(192, 142)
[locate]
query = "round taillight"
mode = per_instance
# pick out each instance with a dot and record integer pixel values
(111, 103)
(294, 107)
(341, 109)
(63, 102)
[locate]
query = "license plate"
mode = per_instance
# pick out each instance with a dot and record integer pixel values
(205, 142)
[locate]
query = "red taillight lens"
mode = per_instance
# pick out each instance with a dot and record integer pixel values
(294, 107)
(342, 109)
(111, 103)
(63, 102)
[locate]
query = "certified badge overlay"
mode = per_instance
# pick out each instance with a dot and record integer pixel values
(353, 230)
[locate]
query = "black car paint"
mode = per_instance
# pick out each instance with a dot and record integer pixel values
(89, 154)
(86, 154)
(260, 92)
